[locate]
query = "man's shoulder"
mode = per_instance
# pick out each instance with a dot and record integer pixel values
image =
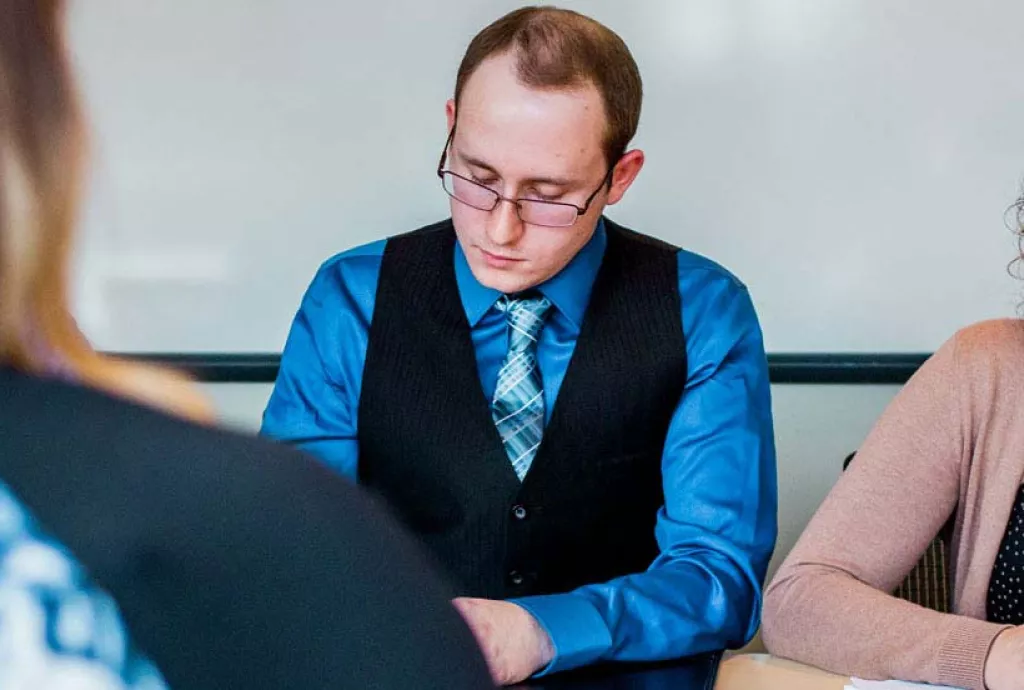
(717, 307)
(350, 274)
(364, 256)
(694, 268)
(361, 264)
(697, 268)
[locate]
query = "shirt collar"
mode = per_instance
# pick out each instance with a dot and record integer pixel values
(569, 289)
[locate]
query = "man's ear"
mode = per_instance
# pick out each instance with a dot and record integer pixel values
(449, 112)
(624, 173)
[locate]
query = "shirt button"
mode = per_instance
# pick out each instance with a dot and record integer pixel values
(515, 577)
(519, 512)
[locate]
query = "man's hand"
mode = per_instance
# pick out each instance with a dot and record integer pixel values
(1004, 669)
(512, 640)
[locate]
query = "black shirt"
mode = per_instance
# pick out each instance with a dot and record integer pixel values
(236, 563)
(1006, 588)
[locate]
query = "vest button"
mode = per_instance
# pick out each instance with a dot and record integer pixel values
(515, 577)
(519, 512)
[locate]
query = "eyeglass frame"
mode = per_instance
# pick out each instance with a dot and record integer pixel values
(441, 172)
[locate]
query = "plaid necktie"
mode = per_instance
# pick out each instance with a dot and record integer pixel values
(518, 405)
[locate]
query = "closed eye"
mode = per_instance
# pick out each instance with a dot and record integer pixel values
(538, 196)
(486, 181)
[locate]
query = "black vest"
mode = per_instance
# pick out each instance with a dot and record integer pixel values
(586, 510)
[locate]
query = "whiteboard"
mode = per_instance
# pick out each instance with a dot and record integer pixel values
(850, 160)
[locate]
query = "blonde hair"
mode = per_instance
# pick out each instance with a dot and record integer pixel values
(42, 146)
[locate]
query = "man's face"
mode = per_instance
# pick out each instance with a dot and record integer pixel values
(526, 143)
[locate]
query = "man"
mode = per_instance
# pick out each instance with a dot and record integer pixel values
(574, 418)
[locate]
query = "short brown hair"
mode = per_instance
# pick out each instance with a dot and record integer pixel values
(557, 48)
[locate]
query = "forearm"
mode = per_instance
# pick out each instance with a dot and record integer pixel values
(687, 605)
(823, 616)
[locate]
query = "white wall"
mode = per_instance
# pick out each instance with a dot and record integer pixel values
(815, 428)
(851, 160)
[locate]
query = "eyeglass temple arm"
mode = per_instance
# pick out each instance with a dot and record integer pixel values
(444, 151)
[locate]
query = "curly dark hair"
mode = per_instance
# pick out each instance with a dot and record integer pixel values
(1015, 222)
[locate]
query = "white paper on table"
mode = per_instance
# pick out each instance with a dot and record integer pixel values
(861, 684)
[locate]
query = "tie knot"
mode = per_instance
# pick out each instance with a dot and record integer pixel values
(526, 317)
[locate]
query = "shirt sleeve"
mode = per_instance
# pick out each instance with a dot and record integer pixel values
(59, 629)
(830, 603)
(717, 529)
(315, 401)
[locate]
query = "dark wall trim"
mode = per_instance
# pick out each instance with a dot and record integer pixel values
(844, 368)
(821, 368)
(218, 367)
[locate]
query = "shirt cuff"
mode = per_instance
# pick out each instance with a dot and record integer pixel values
(577, 631)
(962, 655)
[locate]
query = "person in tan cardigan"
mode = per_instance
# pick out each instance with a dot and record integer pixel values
(950, 443)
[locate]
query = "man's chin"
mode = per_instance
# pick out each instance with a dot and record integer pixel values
(506, 281)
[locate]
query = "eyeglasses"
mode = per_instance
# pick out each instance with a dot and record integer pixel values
(553, 214)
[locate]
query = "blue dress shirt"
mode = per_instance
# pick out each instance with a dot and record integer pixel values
(716, 531)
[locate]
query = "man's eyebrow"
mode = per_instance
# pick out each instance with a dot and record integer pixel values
(475, 162)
